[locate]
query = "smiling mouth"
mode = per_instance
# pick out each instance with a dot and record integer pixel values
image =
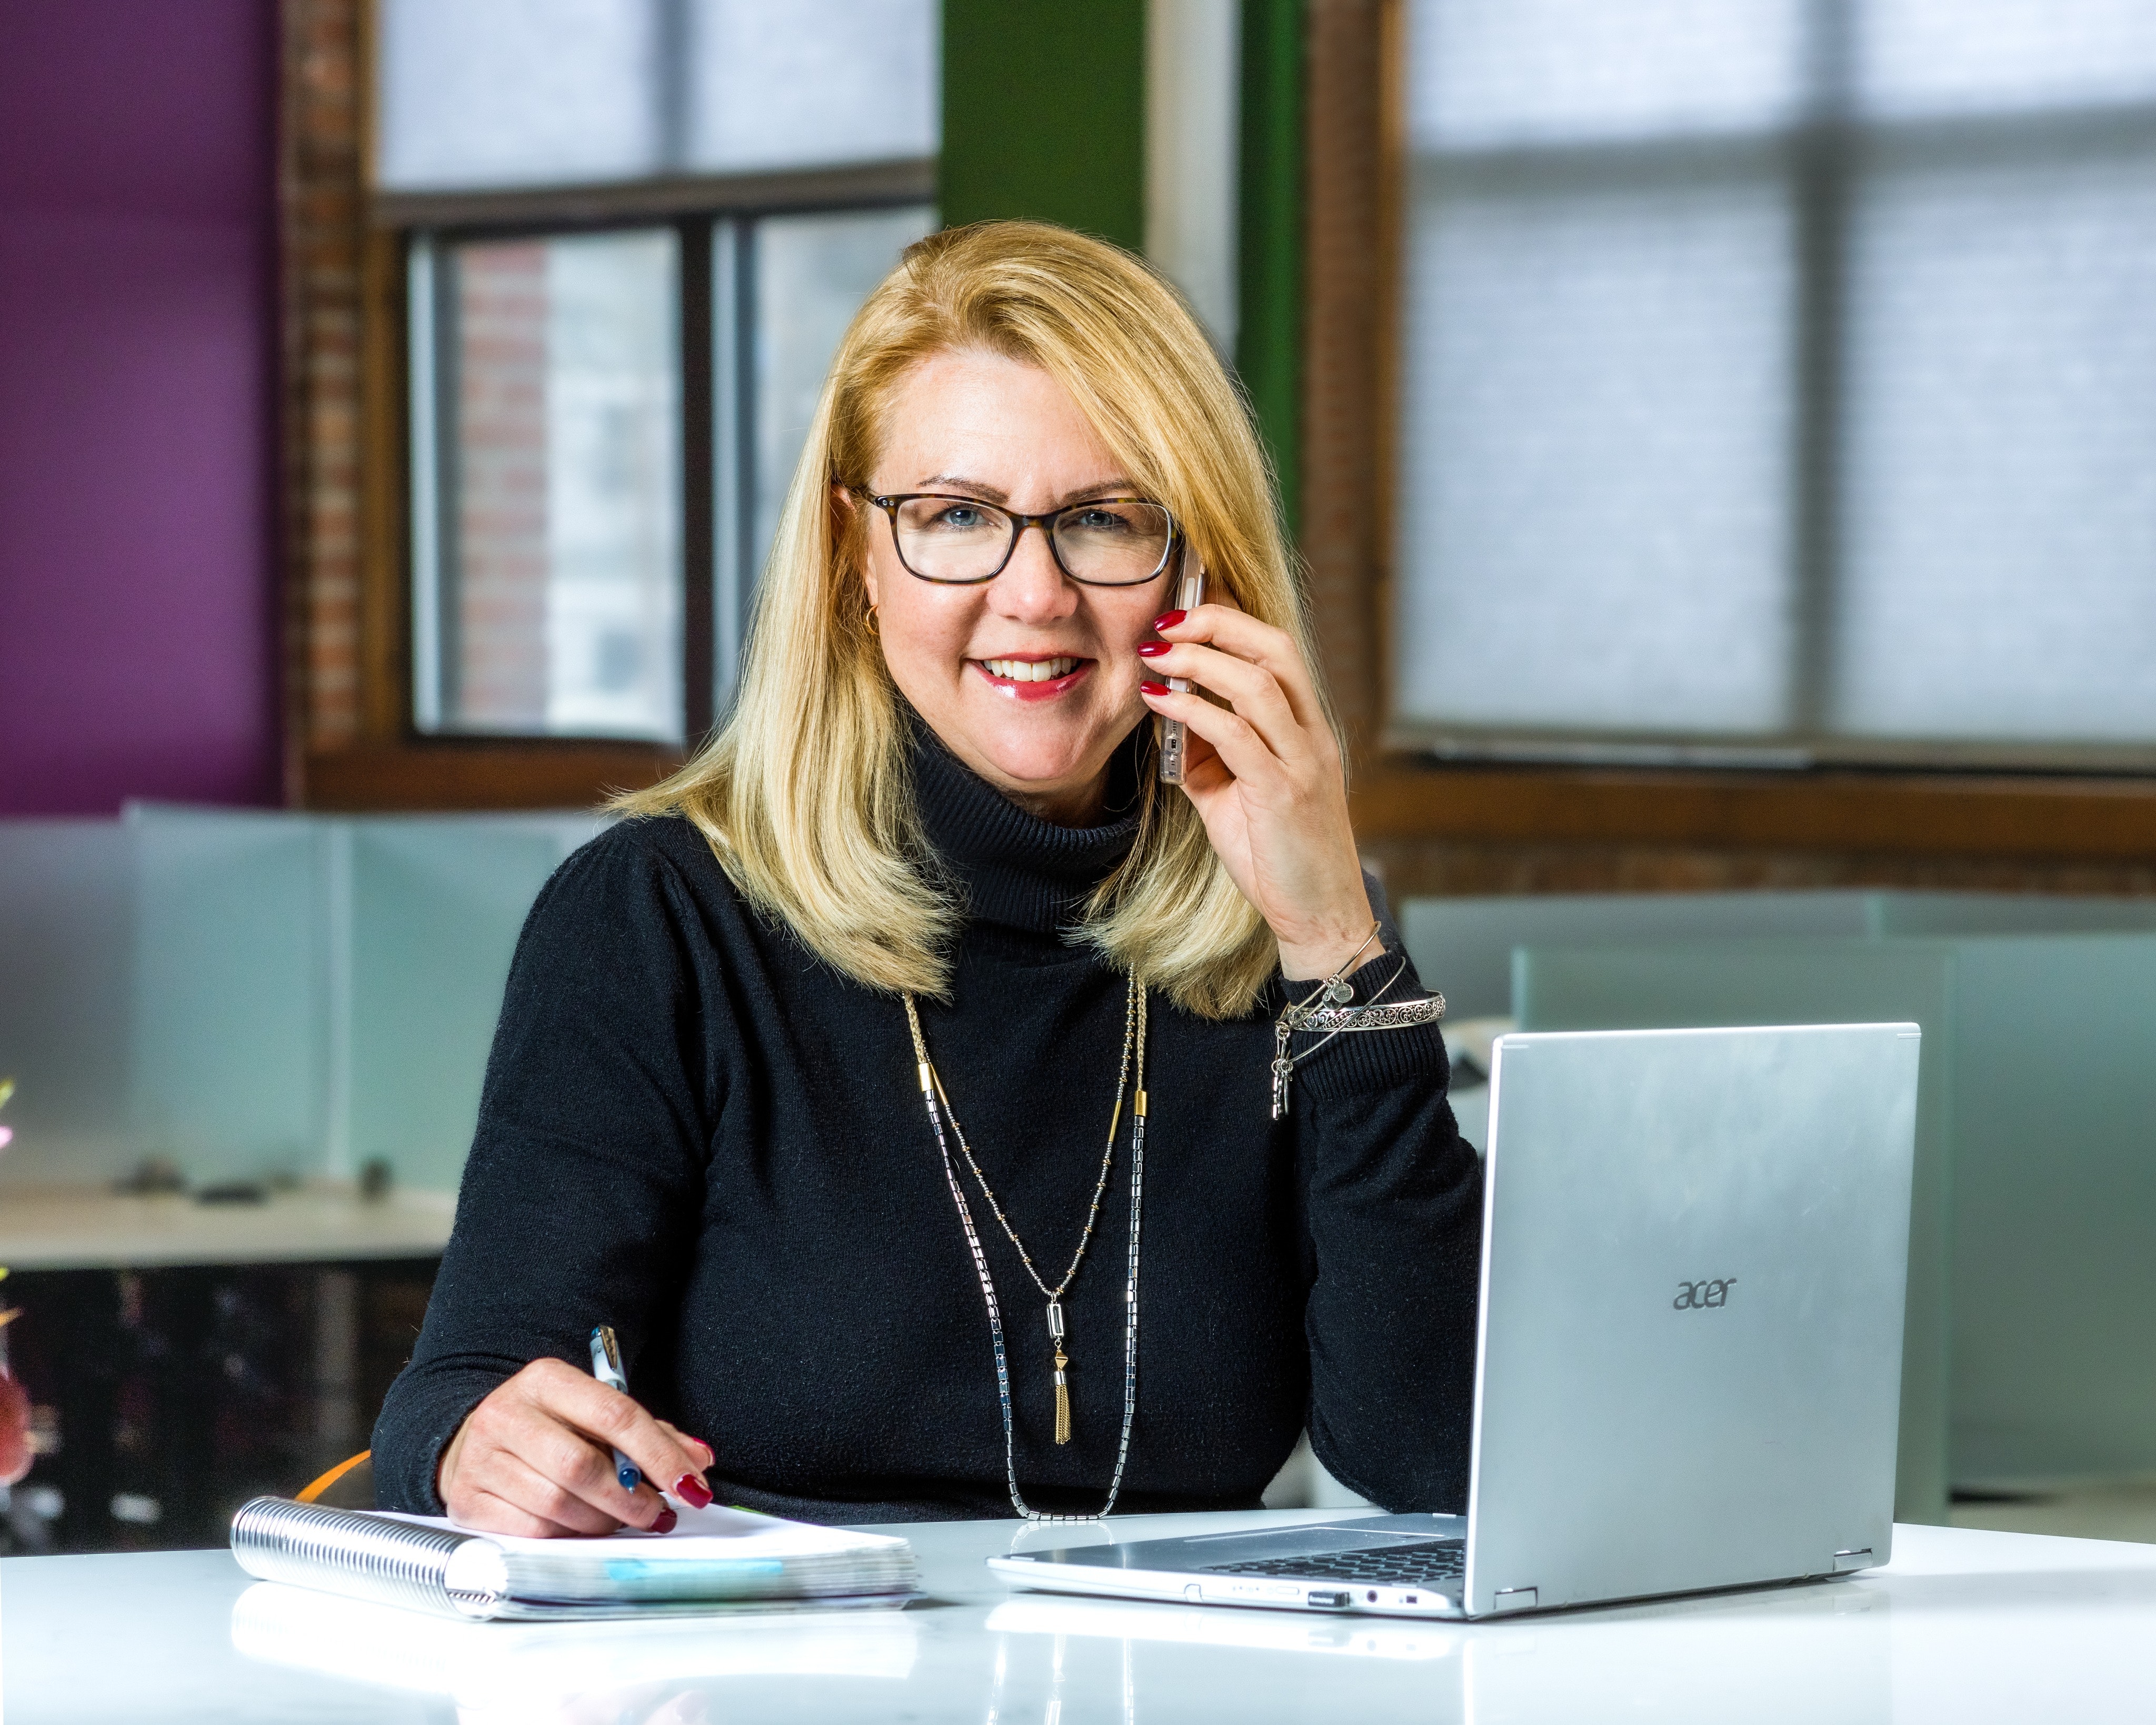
(1033, 680)
(1030, 670)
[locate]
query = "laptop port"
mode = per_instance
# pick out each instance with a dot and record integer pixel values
(1331, 1599)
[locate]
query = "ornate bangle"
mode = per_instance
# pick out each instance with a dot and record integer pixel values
(1337, 1018)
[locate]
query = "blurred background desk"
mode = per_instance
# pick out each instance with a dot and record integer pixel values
(1966, 1627)
(187, 1355)
(48, 1228)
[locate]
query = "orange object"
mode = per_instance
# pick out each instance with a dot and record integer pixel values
(314, 1489)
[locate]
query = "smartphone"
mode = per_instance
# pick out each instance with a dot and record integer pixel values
(1189, 595)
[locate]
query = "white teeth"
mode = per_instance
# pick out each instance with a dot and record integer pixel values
(1021, 670)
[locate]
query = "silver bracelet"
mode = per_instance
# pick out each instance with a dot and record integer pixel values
(1335, 1019)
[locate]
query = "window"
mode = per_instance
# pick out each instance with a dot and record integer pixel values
(1776, 382)
(547, 557)
(635, 232)
(480, 94)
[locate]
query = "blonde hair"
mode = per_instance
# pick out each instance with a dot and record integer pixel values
(806, 794)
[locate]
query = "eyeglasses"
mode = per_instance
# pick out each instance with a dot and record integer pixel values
(1104, 541)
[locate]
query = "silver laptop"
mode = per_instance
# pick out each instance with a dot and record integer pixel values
(1689, 1367)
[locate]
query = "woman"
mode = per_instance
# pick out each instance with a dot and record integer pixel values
(932, 839)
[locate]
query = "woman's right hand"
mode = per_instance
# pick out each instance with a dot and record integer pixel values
(536, 1459)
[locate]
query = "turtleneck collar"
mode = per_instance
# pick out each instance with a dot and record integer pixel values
(1019, 869)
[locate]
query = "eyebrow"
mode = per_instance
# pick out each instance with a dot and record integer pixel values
(992, 494)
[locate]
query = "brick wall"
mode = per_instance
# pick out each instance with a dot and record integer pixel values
(319, 179)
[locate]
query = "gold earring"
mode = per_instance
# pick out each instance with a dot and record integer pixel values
(874, 627)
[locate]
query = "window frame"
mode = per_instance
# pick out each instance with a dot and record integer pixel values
(1356, 162)
(390, 763)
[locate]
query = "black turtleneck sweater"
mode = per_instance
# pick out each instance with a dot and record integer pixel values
(695, 1130)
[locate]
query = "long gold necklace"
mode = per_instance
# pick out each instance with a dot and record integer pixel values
(938, 1104)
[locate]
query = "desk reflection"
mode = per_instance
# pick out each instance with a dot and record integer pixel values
(1793, 1655)
(651, 1671)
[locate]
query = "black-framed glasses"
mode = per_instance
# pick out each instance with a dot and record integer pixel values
(1104, 541)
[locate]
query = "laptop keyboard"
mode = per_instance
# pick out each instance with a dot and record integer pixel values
(1425, 1562)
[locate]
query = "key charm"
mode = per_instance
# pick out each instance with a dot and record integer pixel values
(1283, 1070)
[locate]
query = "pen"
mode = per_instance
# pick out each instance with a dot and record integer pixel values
(606, 1367)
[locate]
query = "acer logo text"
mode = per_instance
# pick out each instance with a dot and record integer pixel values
(1694, 1296)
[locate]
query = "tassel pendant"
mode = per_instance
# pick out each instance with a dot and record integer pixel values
(1062, 1385)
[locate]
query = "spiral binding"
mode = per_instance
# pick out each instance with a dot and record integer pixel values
(363, 1555)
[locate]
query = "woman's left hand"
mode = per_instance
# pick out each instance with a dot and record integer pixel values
(1265, 774)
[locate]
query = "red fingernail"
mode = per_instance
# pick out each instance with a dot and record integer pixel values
(692, 1491)
(1167, 619)
(1153, 649)
(706, 1448)
(664, 1523)
(1153, 688)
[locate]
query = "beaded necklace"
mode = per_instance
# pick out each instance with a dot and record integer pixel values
(938, 1105)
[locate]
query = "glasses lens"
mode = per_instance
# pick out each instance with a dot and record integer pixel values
(1113, 543)
(951, 539)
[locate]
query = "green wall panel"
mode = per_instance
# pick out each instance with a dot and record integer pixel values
(1268, 318)
(1044, 114)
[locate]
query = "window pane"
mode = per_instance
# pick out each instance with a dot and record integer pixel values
(812, 274)
(798, 83)
(482, 92)
(1490, 72)
(476, 94)
(1591, 516)
(1937, 56)
(2000, 556)
(559, 428)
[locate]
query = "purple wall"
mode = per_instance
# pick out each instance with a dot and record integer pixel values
(137, 347)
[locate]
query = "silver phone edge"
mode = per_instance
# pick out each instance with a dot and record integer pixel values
(1174, 734)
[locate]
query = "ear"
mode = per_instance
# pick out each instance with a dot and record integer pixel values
(846, 534)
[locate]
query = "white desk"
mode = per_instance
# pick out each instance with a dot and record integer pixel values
(1965, 1628)
(88, 1228)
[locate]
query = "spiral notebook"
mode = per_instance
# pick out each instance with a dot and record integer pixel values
(716, 1559)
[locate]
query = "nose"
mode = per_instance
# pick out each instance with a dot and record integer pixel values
(1031, 587)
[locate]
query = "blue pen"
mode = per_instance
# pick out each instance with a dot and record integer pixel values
(606, 1367)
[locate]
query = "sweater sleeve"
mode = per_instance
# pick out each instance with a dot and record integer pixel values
(581, 1197)
(1393, 1225)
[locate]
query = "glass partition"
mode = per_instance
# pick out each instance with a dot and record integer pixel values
(437, 906)
(67, 916)
(232, 1030)
(2054, 1194)
(1463, 946)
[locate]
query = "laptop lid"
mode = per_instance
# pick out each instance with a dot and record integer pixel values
(1696, 1254)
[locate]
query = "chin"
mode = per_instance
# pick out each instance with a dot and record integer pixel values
(1047, 757)
(1036, 767)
